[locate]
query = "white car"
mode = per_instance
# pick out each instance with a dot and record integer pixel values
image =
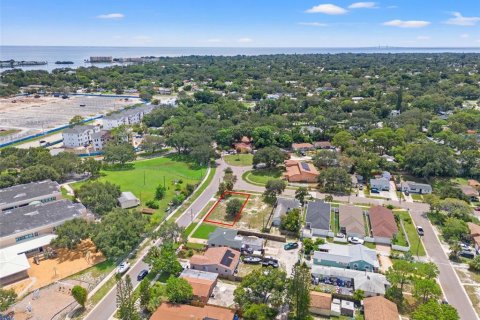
(356, 240)
(123, 267)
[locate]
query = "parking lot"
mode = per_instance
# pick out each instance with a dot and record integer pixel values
(286, 258)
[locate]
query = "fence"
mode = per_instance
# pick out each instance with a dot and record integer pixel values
(402, 248)
(262, 235)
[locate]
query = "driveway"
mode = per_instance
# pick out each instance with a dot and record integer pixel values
(286, 258)
(383, 252)
(222, 294)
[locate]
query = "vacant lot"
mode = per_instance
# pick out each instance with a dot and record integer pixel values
(218, 214)
(239, 160)
(255, 214)
(143, 177)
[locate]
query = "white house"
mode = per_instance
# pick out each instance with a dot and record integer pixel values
(100, 139)
(78, 136)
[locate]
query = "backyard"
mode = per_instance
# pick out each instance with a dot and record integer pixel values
(143, 177)
(261, 176)
(239, 160)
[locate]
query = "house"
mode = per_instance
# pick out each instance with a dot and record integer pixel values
(381, 184)
(323, 145)
(373, 284)
(299, 171)
(356, 257)
(414, 187)
(78, 136)
(167, 311)
(23, 194)
(221, 260)
(128, 200)
(244, 145)
(379, 308)
(351, 220)
(318, 218)
(100, 138)
(474, 234)
(320, 303)
(282, 207)
(470, 192)
(164, 91)
(223, 237)
(474, 183)
(302, 147)
(383, 224)
(202, 283)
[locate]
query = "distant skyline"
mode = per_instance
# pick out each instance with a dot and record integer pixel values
(243, 23)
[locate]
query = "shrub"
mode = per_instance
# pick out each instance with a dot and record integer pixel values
(80, 294)
(152, 204)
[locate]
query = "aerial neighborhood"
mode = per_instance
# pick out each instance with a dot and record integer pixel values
(243, 187)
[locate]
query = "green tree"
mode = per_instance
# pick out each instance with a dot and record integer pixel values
(71, 233)
(326, 158)
(291, 221)
(126, 299)
(152, 143)
(299, 292)
(432, 310)
(430, 159)
(157, 292)
(400, 273)
(474, 264)
(160, 192)
(274, 188)
(119, 232)
(144, 292)
(334, 180)
(7, 298)
(201, 154)
(300, 194)
(308, 245)
(426, 289)
(359, 295)
(80, 295)
(178, 290)
(100, 197)
(263, 136)
(91, 166)
(259, 312)
(343, 140)
(454, 229)
(234, 206)
(270, 156)
(164, 260)
(121, 153)
(76, 120)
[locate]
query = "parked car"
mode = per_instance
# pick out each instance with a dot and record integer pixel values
(355, 240)
(252, 260)
(246, 250)
(420, 231)
(467, 254)
(290, 246)
(315, 280)
(123, 267)
(407, 193)
(270, 263)
(142, 275)
(465, 247)
(374, 190)
(360, 187)
(340, 235)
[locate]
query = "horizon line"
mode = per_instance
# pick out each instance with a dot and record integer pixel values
(252, 47)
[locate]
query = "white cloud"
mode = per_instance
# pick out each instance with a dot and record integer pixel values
(406, 23)
(460, 20)
(327, 8)
(244, 40)
(313, 24)
(363, 5)
(214, 40)
(111, 16)
(464, 36)
(423, 38)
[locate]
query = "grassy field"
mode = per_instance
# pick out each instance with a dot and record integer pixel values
(7, 132)
(239, 160)
(262, 176)
(412, 234)
(203, 231)
(143, 177)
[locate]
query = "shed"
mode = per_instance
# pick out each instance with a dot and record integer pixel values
(128, 200)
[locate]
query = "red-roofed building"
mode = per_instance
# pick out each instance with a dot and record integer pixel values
(244, 145)
(302, 147)
(383, 224)
(221, 260)
(167, 311)
(300, 171)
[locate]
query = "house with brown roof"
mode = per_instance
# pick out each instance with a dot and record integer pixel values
(300, 171)
(351, 221)
(221, 260)
(320, 303)
(470, 192)
(244, 145)
(167, 311)
(302, 147)
(474, 234)
(202, 283)
(474, 183)
(323, 145)
(379, 308)
(383, 224)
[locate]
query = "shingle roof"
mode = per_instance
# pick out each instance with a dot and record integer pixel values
(347, 254)
(78, 129)
(379, 308)
(382, 221)
(351, 217)
(167, 311)
(224, 236)
(284, 205)
(224, 256)
(318, 215)
(320, 300)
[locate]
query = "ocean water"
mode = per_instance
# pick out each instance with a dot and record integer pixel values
(79, 54)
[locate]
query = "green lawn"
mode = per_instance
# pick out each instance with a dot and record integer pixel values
(261, 176)
(204, 231)
(8, 132)
(239, 160)
(417, 197)
(144, 176)
(412, 234)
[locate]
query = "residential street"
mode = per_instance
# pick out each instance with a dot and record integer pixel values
(107, 307)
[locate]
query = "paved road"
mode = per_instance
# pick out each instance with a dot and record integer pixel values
(107, 307)
(453, 290)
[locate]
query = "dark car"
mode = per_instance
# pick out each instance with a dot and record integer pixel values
(420, 231)
(272, 264)
(374, 190)
(252, 260)
(142, 275)
(467, 254)
(290, 246)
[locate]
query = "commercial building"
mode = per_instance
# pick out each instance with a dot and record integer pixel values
(356, 257)
(78, 136)
(24, 194)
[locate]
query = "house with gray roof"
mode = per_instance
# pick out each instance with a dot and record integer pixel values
(23, 194)
(415, 187)
(381, 184)
(351, 220)
(317, 219)
(223, 237)
(282, 207)
(356, 257)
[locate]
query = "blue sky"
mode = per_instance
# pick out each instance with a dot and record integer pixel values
(241, 23)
